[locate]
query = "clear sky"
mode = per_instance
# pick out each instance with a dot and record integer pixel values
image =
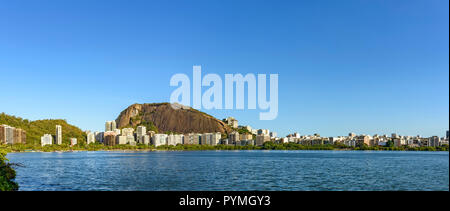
(344, 66)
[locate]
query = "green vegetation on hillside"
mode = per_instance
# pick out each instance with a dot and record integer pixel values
(7, 174)
(243, 130)
(139, 121)
(148, 124)
(36, 129)
(66, 147)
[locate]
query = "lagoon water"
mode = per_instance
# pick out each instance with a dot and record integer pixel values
(233, 170)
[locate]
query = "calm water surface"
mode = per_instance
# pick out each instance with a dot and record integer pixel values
(233, 170)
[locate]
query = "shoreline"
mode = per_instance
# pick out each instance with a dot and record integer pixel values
(181, 147)
(167, 150)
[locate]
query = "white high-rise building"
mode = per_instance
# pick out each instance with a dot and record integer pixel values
(46, 139)
(215, 138)
(110, 126)
(90, 137)
(141, 132)
(113, 124)
(58, 137)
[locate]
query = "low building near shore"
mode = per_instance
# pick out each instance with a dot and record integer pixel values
(46, 139)
(121, 140)
(159, 139)
(73, 141)
(145, 139)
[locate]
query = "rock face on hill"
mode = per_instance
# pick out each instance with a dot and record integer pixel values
(164, 118)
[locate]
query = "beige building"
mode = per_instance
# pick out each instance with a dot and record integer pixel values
(232, 122)
(127, 132)
(121, 139)
(245, 137)
(397, 142)
(261, 139)
(363, 139)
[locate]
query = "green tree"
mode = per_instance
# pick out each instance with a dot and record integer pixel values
(390, 144)
(7, 174)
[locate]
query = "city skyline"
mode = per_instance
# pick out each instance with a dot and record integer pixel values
(362, 67)
(240, 136)
(112, 124)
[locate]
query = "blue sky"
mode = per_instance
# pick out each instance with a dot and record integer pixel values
(344, 66)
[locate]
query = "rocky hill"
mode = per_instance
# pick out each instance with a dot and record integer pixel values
(162, 117)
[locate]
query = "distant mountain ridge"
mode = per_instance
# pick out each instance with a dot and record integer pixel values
(164, 118)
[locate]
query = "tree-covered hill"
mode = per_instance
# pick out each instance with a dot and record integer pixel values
(36, 129)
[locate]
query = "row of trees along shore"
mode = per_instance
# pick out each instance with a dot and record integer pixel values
(267, 146)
